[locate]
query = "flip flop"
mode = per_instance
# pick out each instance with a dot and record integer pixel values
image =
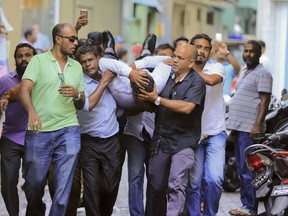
(239, 212)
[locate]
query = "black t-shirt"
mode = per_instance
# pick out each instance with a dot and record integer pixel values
(176, 131)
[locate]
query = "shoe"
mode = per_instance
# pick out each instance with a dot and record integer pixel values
(109, 45)
(149, 45)
(108, 40)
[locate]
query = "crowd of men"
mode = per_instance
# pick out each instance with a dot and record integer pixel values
(61, 110)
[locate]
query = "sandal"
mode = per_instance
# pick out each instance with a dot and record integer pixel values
(239, 212)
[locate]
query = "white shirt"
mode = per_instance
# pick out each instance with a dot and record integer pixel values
(213, 117)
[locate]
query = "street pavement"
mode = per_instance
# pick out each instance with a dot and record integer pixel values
(227, 202)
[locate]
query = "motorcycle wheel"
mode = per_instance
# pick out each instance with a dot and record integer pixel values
(268, 203)
(231, 179)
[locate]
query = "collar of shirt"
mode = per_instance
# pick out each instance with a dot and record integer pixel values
(88, 79)
(14, 74)
(173, 76)
(52, 59)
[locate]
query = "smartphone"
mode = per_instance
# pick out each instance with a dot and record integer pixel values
(84, 11)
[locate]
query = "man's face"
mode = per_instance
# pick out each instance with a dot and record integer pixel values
(250, 54)
(182, 61)
(68, 40)
(90, 64)
(23, 57)
(203, 48)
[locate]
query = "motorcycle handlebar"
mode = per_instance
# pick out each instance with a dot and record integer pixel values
(278, 138)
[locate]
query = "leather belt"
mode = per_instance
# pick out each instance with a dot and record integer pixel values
(98, 139)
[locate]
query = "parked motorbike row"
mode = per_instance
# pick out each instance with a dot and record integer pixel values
(268, 161)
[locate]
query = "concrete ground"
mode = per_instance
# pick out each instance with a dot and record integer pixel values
(227, 202)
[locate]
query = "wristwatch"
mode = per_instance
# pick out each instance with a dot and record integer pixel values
(78, 98)
(227, 53)
(157, 101)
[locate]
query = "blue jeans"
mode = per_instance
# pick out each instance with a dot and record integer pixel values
(247, 191)
(59, 147)
(209, 163)
(137, 156)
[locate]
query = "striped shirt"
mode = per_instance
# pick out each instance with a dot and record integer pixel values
(244, 107)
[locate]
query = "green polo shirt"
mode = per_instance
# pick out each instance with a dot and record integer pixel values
(55, 110)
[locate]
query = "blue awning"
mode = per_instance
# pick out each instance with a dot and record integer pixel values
(150, 3)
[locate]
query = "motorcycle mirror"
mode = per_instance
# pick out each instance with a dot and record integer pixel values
(257, 137)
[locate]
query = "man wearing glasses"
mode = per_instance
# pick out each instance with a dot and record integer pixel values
(53, 134)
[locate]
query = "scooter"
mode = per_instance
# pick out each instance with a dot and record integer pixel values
(269, 164)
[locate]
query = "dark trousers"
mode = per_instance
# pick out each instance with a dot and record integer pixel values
(101, 162)
(168, 178)
(11, 155)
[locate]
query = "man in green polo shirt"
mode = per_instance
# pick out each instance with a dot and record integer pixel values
(51, 91)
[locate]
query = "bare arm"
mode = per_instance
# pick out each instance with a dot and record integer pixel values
(234, 63)
(173, 105)
(224, 50)
(70, 91)
(9, 96)
(263, 107)
(94, 98)
(34, 120)
(81, 21)
(211, 79)
(12, 94)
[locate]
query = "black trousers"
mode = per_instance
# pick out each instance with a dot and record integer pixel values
(11, 155)
(101, 162)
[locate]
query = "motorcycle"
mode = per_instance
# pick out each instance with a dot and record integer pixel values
(273, 118)
(269, 164)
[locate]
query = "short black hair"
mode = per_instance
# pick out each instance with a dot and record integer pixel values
(164, 46)
(96, 50)
(201, 36)
(21, 45)
(256, 44)
(121, 52)
(95, 38)
(57, 30)
(28, 32)
(181, 38)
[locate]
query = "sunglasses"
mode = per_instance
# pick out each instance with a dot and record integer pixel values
(72, 39)
(61, 77)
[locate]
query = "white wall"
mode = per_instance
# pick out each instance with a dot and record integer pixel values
(272, 17)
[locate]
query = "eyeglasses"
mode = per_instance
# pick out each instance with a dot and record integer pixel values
(61, 76)
(72, 39)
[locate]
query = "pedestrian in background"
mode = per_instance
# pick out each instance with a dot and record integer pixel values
(246, 117)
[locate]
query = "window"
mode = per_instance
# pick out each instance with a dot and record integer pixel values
(199, 14)
(210, 18)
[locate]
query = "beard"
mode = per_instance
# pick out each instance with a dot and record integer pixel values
(20, 70)
(199, 62)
